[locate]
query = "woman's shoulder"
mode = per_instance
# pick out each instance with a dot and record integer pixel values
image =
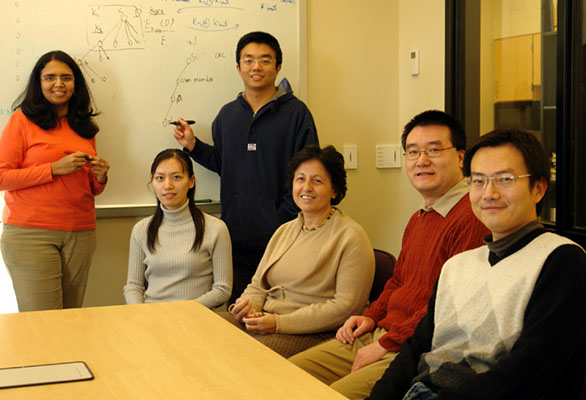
(214, 224)
(344, 221)
(18, 114)
(212, 219)
(19, 118)
(141, 227)
(348, 227)
(290, 226)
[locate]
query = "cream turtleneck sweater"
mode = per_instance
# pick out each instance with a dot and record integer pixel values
(174, 271)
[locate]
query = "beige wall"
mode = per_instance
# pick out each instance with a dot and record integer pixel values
(422, 26)
(516, 17)
(353, 93)
(110, 263)
(487, 85)
(360, 92)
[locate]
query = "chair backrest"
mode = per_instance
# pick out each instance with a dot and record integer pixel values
(384, 264)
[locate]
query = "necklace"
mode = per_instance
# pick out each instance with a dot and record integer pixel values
(326, 219)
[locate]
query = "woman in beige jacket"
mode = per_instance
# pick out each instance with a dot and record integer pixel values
(317, 270)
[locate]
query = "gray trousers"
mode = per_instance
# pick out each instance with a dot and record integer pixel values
(49, 269)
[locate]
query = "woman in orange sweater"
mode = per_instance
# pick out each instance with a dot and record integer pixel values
(51, 173)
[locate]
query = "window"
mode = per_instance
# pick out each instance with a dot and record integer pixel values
(521, 64)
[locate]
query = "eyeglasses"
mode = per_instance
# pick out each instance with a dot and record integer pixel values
(431, 152)
(53, 78)
(502, 180)
(263, 61)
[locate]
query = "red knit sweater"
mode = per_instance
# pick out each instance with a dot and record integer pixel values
(429, 240)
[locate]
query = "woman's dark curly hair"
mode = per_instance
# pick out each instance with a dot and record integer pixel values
(330, 158)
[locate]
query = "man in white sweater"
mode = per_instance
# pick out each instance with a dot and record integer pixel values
(506, 320)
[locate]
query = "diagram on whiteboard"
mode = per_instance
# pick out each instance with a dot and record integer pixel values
(115, 27)
(147, 62)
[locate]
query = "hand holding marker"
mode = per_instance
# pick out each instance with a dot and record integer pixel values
(75, 161)
(183, 133)
(87, 158)
(94, 161)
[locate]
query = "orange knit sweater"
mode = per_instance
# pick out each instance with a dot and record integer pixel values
(34, 197)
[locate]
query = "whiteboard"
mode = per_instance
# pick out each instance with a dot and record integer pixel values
(147, 62)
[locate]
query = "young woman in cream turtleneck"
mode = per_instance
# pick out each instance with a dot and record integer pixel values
(179, 253)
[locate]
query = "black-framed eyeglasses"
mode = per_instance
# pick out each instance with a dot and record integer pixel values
(502, 180)
(431, 152)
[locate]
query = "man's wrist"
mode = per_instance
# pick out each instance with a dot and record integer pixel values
(192, 146)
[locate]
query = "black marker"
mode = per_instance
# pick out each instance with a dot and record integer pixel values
(188, 121)
(87, 158)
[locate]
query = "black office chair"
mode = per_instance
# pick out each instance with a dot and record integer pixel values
(384, 263)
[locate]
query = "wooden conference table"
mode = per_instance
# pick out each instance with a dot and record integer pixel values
(177, 350)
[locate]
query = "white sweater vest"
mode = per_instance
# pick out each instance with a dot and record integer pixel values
(479, 308)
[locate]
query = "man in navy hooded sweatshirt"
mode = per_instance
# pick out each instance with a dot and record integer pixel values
(254, 138)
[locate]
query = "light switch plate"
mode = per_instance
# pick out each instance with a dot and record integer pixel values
(388, 156)
(350, 156)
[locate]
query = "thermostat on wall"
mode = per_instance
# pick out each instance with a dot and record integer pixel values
(414, 61)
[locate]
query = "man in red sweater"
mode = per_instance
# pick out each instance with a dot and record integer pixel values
(365, 345)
